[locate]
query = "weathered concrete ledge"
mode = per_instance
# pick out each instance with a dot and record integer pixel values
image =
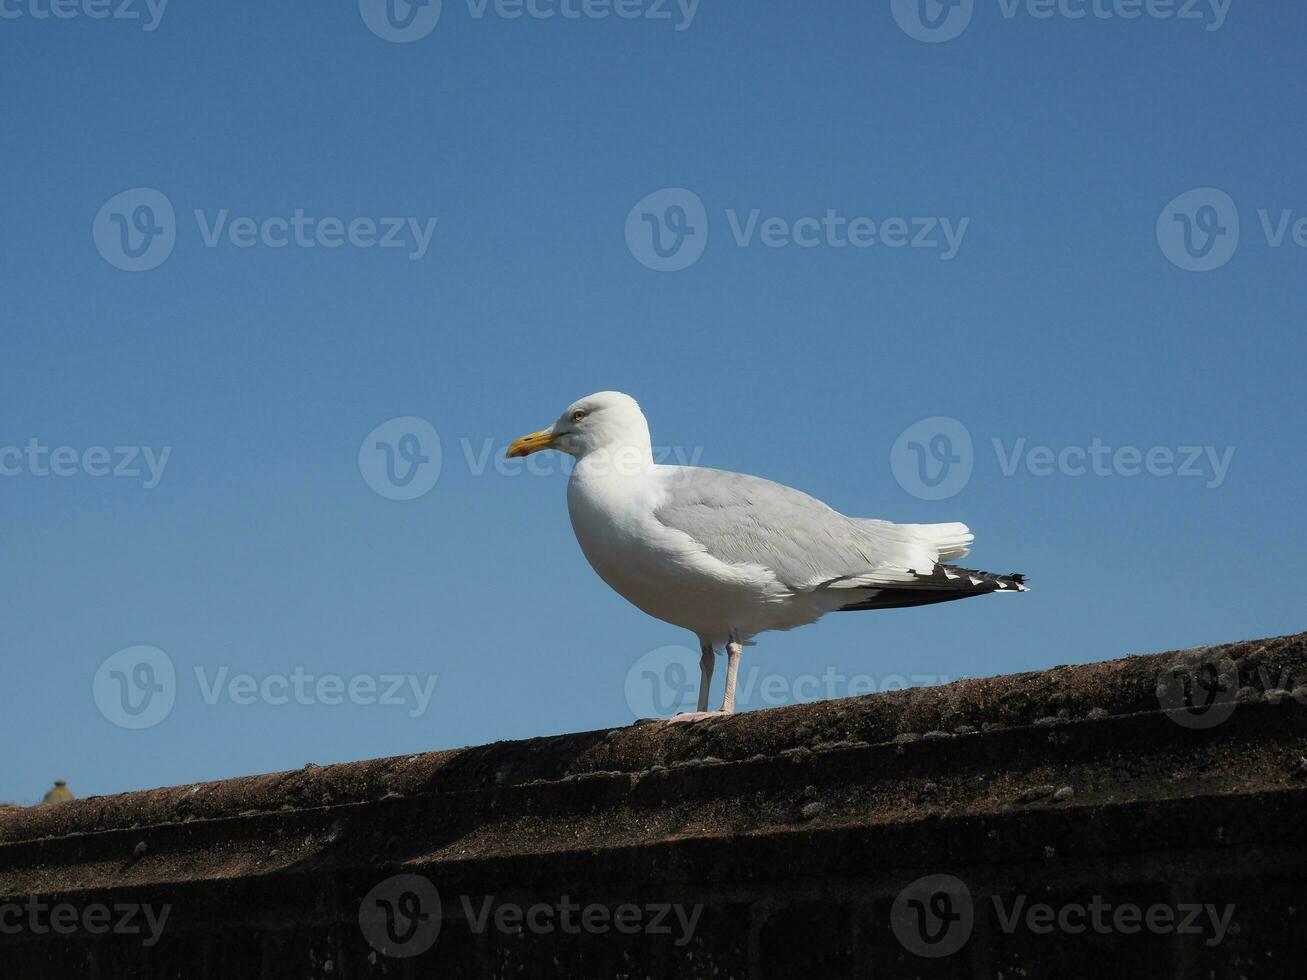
(794, 828)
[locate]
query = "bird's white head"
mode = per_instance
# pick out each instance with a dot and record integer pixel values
(607, 420)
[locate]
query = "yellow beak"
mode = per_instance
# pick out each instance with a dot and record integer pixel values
(533, 443)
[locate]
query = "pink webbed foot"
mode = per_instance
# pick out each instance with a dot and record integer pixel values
(692, 716)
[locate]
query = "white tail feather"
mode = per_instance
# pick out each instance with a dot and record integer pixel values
(939, 542)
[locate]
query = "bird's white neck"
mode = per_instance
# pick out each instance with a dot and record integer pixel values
(624, 460)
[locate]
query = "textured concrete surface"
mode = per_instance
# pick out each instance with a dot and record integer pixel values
(763, 845)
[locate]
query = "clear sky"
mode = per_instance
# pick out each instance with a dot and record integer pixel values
(862, 221)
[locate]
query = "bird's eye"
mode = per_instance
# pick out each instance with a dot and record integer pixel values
(578, 415)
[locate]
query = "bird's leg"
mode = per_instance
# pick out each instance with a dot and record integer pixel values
(706, 662)
(733, 651)
(706, 657)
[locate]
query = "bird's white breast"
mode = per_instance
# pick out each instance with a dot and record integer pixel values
(659, 569)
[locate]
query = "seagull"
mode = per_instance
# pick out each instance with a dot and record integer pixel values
(728, 556)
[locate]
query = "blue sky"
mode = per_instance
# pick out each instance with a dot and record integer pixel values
(1069, 312)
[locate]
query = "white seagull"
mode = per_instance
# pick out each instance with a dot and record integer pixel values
(729, 556)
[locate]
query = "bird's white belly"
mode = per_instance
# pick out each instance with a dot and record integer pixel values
(664, 573)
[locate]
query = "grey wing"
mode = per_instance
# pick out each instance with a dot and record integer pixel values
(741, 519)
